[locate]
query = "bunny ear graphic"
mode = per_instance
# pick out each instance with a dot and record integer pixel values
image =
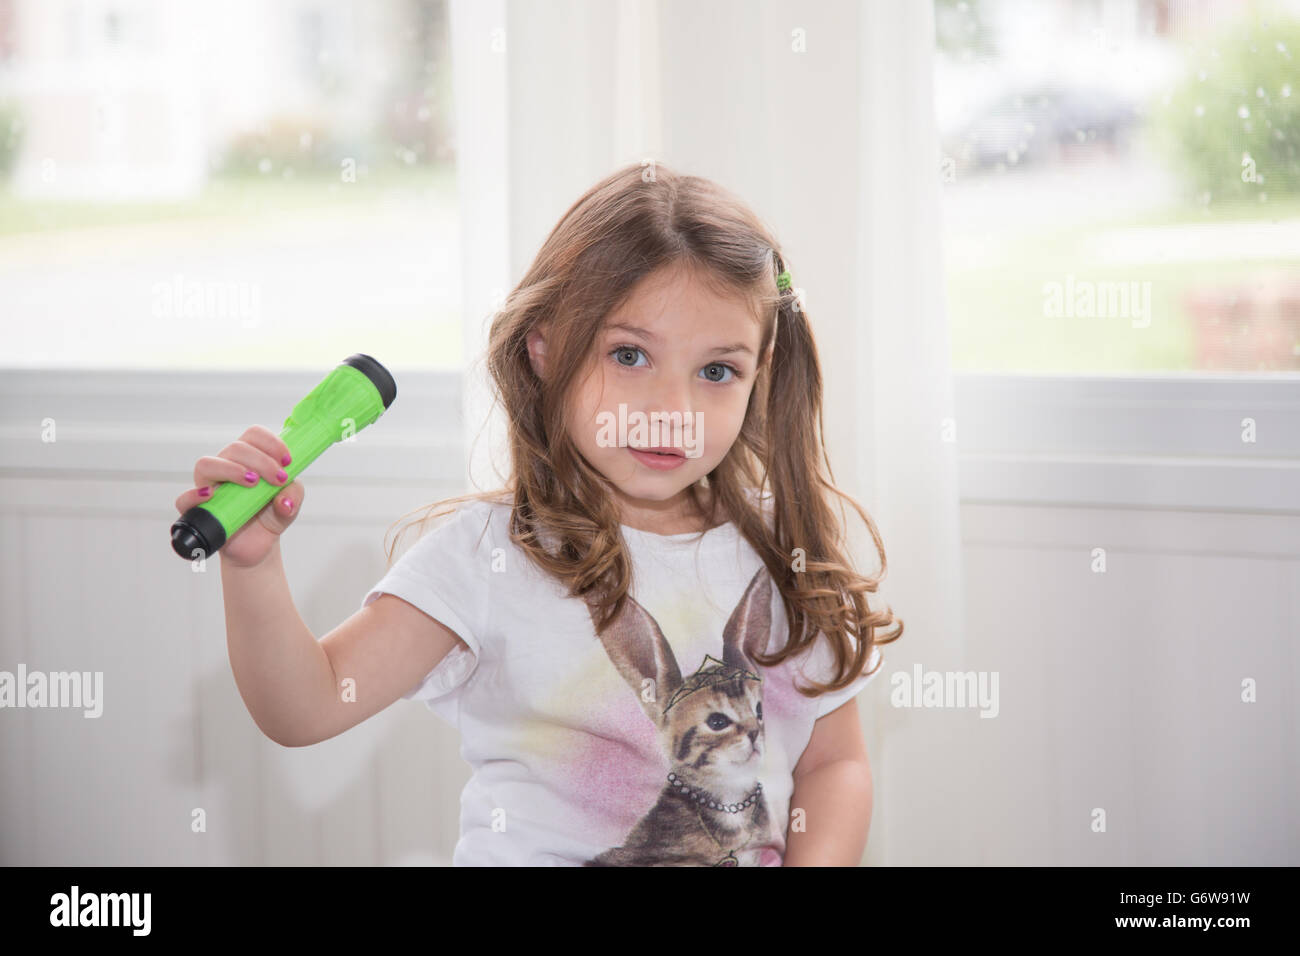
(639, 650)
(750, 625)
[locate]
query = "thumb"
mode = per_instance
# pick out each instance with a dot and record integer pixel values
(284, 508)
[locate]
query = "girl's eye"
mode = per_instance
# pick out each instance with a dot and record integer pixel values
(724, 367)
(625, 350)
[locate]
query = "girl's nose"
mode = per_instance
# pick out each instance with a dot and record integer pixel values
(670, 399)
(672, 424)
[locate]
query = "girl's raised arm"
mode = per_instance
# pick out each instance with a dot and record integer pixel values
(301, 691)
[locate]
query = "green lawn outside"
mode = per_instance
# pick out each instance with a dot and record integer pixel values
(232, 207)
(232, 198)
(996, 312)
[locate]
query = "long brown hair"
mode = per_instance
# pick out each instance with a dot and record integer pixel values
(635, 221)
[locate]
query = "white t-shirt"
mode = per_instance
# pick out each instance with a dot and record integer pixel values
(661, 744)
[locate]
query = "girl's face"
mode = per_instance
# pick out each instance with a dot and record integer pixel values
(673, 368)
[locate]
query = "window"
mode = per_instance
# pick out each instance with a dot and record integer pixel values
(218, 186)
(1121, 184)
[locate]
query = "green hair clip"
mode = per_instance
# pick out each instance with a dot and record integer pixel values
(783, 280)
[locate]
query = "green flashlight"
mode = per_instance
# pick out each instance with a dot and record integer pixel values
(348, 399)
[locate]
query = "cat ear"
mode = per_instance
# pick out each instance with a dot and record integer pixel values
(750, 625)
(638, 650)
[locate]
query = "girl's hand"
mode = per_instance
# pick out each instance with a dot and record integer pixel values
(261, 453)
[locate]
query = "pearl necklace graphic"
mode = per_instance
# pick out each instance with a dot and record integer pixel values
(695, 794)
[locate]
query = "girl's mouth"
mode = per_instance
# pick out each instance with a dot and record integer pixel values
(659, 458)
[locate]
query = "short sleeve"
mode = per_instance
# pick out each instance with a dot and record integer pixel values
(445, 574)
(822, 669)
(817, 664)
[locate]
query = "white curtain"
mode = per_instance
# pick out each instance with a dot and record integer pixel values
(820, 115)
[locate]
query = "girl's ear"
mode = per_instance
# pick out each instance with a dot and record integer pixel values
(537, 350)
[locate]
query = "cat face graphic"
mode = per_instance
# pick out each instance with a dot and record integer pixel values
(714, 723)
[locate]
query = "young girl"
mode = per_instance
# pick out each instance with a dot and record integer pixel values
(650, 639)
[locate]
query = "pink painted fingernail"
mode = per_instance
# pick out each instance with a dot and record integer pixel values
(205, 491)
(250, 477)
(288, 504)
(281, 475)
(285, 460)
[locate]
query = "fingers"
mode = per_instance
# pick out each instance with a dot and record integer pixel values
(242, 463)
(271, 444)
(285, 505)
(191, 498)
(284, 508)
(259, 454)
